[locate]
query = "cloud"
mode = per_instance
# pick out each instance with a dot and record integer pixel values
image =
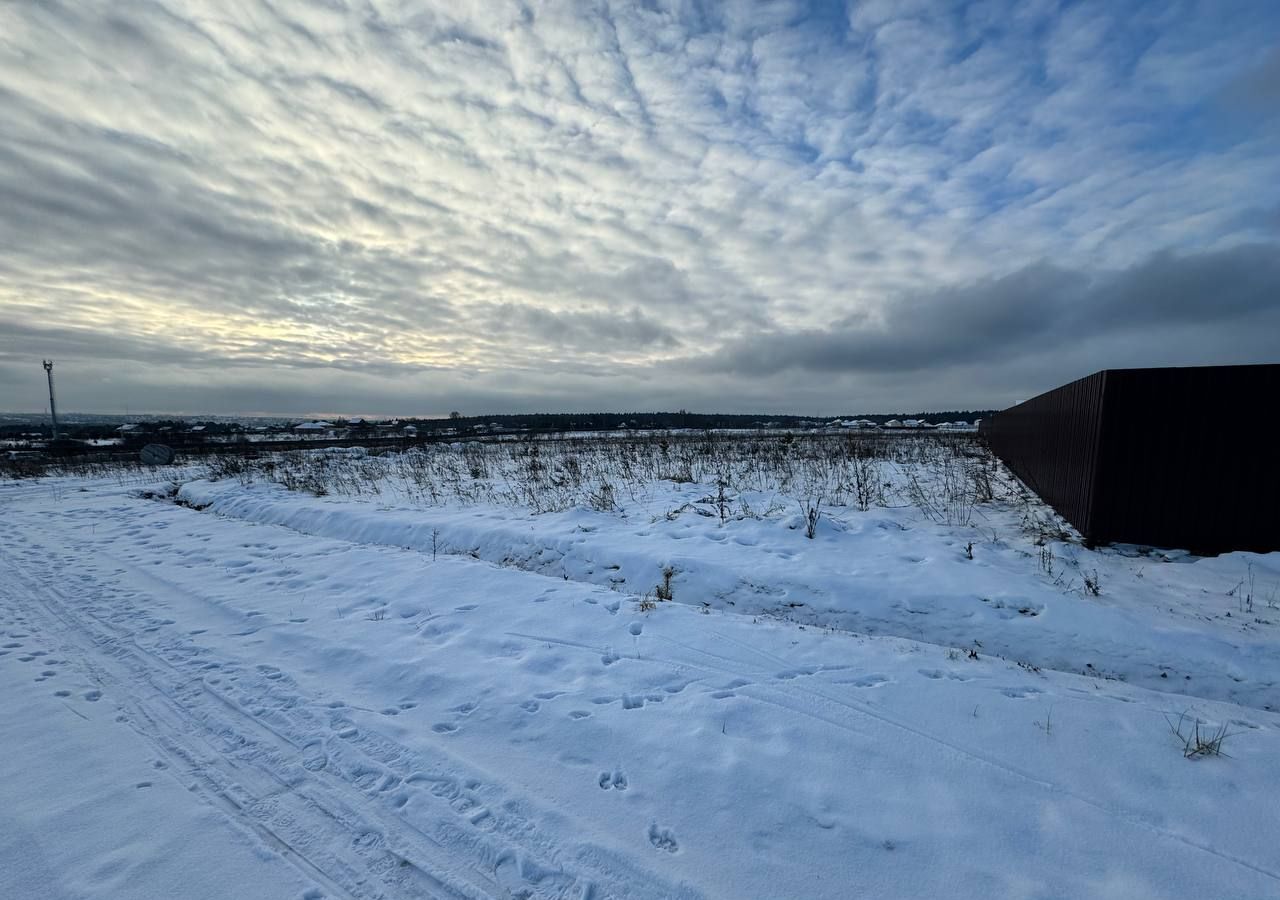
(634, 202)
(1254, 95)
(1225, 300)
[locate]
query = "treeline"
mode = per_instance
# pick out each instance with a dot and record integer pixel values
(664, 420)
(460, 424)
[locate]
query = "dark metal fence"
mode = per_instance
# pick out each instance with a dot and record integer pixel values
(1178, 457)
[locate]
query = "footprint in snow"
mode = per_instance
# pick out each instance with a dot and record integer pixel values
(663, 839)
(1016, 693)
(614, 780)
(788, 674)
(366, 840)
(867, 681)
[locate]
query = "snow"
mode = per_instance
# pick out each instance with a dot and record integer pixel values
(93, 808)
(1160, 624)
(375, 694)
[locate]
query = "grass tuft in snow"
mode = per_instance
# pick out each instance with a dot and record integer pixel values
(1196, 741)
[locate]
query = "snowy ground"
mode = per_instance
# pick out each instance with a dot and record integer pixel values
(263, 693)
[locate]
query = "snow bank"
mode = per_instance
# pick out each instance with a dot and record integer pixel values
(1163, 625)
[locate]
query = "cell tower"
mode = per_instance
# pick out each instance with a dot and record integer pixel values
(53, 406)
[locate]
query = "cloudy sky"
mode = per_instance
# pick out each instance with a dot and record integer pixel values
(377, 206)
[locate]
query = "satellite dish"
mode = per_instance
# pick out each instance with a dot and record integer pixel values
(156, 455)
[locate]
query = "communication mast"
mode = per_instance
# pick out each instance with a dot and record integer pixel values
(53, 407)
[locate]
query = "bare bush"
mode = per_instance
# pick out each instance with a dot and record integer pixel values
(811, 509)
(664, 590)
(1092, 584)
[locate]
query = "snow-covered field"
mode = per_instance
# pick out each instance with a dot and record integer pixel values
(454, 675)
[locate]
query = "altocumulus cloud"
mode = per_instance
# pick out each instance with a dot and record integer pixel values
(412, 206)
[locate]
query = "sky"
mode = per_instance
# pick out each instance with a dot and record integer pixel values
(380, 207)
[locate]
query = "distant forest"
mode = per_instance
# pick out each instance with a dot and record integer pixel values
(667, 420)
(104, 427)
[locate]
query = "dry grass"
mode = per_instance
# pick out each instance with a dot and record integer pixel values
(1198, 741)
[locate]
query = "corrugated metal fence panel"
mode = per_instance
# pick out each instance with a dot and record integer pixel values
(1188, 460)
(1177, 457)
(1051, 443)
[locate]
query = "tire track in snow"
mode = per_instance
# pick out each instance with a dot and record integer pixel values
(232, 769)
(354, 811)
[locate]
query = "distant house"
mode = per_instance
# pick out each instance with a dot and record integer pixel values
(409, 431)
(313, 427)
(129, 429)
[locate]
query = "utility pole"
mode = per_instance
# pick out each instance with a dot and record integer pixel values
(53, 407)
